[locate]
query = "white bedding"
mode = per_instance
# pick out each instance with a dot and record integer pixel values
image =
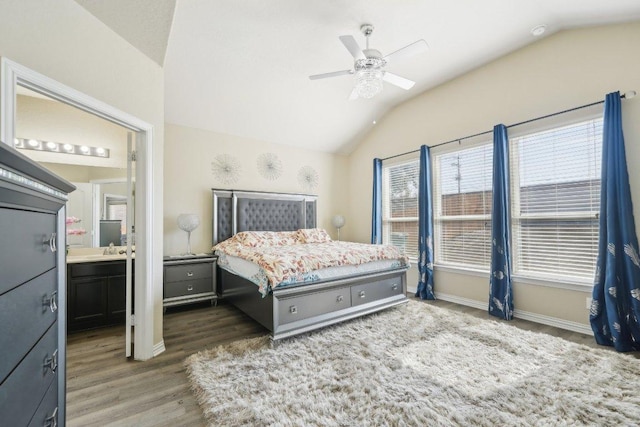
(255, 274)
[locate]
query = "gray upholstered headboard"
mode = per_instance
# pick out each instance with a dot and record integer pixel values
(235, 211)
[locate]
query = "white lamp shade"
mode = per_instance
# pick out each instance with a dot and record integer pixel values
(188, 222)
(338, 221)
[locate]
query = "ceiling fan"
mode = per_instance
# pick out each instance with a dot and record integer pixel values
(368, 66)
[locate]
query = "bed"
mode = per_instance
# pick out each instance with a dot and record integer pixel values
(297, 307)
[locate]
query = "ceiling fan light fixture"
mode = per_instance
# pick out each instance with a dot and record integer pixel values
(369, 83)
(368, 66)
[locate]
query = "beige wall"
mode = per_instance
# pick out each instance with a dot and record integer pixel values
(63, 41)
(78, 173)
(188, 180)
(565, 70)
(49, 120)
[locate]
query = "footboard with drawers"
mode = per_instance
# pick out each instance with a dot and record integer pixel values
(297, 309)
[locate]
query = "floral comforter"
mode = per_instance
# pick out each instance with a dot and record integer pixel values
(293, 263)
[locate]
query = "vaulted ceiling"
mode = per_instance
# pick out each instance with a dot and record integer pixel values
(241, 67)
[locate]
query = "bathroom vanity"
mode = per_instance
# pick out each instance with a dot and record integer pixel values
(96, 292)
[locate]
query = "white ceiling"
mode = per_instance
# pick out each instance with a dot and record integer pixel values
(241, 67)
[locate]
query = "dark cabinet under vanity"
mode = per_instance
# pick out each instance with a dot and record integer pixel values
(96, 294)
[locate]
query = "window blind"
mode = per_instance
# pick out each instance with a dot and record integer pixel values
(400, 206)
(462, 210)
(555, 182)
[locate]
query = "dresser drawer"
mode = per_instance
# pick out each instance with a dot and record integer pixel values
(298, 308)
(27, 252)
(47, 412)
(385, 288)
(174, 273)
(26, 315)
(22, 391)
(188, 287)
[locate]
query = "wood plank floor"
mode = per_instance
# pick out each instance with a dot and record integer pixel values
(104, 389)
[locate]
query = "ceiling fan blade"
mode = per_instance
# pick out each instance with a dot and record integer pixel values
(395, 79)
(354, 94)
(352, 46)
(408, 51)
(333, 74)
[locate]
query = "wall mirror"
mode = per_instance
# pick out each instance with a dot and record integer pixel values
(86, 150)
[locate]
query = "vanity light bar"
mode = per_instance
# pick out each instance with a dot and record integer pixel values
(58, 147)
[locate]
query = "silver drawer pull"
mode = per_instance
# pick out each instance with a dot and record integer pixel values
(189, 287)
(394, 287)
(51, 242)
(50, 301)
(51, 362)
(293, 309)
(361, 294)
(340, 298)
(190, 274)
(52, 421)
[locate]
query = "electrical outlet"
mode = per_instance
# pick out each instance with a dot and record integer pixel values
(589, 302)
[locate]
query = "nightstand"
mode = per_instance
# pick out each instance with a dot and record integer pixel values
(189, 279)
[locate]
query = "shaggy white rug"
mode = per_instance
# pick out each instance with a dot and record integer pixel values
(416, 365)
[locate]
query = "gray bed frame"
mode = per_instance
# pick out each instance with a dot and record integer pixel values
(295, 309)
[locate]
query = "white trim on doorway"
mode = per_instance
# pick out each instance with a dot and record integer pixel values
(13, 74)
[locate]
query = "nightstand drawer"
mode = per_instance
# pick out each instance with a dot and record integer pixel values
(174, 273)
(188, 287)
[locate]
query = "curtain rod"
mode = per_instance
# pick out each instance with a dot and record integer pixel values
(459, 140)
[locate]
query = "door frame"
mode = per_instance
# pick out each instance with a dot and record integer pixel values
(12, 74)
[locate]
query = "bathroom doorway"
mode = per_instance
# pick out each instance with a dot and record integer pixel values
(16, 77)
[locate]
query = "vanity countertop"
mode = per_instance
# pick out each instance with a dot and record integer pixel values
(80, 255)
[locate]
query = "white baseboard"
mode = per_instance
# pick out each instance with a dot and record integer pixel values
(159, 348)
(521, 314)
(553, 321)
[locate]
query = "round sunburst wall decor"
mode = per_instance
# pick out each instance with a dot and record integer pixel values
(308, 178)
(269, 166)
(226, 169)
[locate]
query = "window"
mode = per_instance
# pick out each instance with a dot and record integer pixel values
(116, 208)
(555, 184)
(400, 206)
(462, 207)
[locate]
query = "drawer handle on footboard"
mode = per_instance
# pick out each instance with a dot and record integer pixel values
(293, 309)
(362, 295)
(189, 287)
(394, 287)
(52, 362)
(52, 421)
(50, 302)
(340, 298)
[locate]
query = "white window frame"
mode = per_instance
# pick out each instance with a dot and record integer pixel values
(535, 277)
(438, 219)
(387, 220)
